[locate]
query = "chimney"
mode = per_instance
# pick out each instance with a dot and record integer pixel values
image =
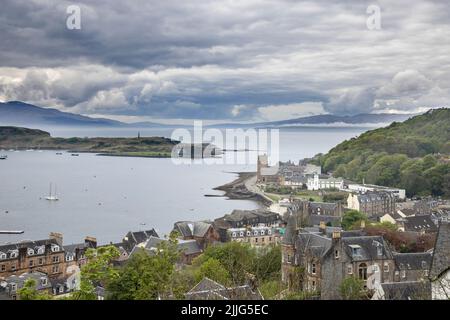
(336, 235)
(363, 224)
(90, 242)
(322, 226)
(57, 236)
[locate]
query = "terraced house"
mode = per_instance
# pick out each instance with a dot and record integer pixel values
(46, 256)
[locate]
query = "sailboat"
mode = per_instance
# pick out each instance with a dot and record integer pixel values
(51, 197)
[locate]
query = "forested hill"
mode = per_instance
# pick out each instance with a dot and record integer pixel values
(413, 154)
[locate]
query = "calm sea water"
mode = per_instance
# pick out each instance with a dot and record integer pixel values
(107, 196)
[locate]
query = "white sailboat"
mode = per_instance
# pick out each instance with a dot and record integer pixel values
(51, 197)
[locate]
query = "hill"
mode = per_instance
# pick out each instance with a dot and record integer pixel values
(16, 113)
(411, 155)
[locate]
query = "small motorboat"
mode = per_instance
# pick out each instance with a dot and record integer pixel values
(59, 153)
(4, 157)
(74, 154)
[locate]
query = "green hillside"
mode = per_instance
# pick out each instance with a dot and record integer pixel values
(413, 155)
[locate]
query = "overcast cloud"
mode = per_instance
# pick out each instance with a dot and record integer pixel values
(226, 60)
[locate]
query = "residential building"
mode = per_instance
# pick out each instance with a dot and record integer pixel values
(440, 264)
(266, 174)
(408, 290)
(132, 239)
(188, 249)
(364, 188)
(46, 256)
(372, 204)
(201, 231)
(412, 266)
(318, 182)
(422, 224)
(10, 286)
(256, 236)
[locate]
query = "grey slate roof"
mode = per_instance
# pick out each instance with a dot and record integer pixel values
(7, 248)
(188, 247)
(418, 223)
(368, 245)
(208, 289)
(441, 253)
(192, 228)
(413, 261)
(133, 238)
(407, 290)
(315, 219)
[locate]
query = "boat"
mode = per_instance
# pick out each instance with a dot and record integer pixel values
(59, 153)
(4, 157)
(74, 154)
(51, 197)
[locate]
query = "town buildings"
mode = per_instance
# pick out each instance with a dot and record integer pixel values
(201, 231)
(320, 182)
(364, 188)
(372, 204)
(246, 219)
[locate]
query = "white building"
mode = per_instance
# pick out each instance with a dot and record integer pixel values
(317, 183)
(399, 193)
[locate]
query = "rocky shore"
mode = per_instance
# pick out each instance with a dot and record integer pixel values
(237, 189)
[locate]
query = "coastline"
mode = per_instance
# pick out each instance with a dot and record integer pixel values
(237, 189)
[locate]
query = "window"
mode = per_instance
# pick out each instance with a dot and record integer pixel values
(61, 289)
(424, 265)
(55, 269)
(241, 234)
(234, 235)
(41, 261)
(55, 259)
(31, 263)
(249, 233)
(256, 240)
(2, 255)
(289, 258)
(386, 267)
(313, 285)
(44, 281)
(336, 254)
(349, 269)
(269, 231)
(403, 274)
(13, 287)
(379, 250)
(3, 268)
(13, 267)
(362, 271)
(13, 254)
(30, 252)
(313, 268)
(55, 248)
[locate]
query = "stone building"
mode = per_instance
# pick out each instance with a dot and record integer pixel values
(256, 236)
(372, 204)
(201, 231)
(46, 256)
(321, 182)
(412, 266)
(245, 219)
(440, 263)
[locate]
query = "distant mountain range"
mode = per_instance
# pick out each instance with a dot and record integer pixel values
(16, 113)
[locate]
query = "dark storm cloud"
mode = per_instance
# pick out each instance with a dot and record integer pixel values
(225, 59)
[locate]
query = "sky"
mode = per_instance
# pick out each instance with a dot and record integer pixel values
(232, 61)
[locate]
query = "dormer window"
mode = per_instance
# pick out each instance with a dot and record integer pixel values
(30, 252)
(234, 235)
(269, 231)
(44, 281)
(386, 267)
(356, 250)
(2, 255)
(336, 254)
(255, 233)
(262, 232)
(241, 234)
(13, 254)
(55, 248)
(40, 250)
(249, 233)
(424, 265)
(379, 251)
(13, 287)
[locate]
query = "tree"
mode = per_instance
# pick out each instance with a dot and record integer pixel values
(351, 218)
(98, 270)
(146, 276)
(29, 292)
(352, 288)
(213, 269)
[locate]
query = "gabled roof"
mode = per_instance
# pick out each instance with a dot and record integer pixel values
(407, 290)
(441, 253)
(192, 228)
(418, 223)
(368, 245)
(188, 247)
(208, 289)
(28, 244)
(413, 261)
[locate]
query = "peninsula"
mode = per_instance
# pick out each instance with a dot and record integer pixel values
(19, 138)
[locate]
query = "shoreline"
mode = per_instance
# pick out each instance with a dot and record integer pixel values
(237, 190)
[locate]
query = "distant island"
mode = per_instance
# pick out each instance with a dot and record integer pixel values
(413, 155)
(18, 138)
